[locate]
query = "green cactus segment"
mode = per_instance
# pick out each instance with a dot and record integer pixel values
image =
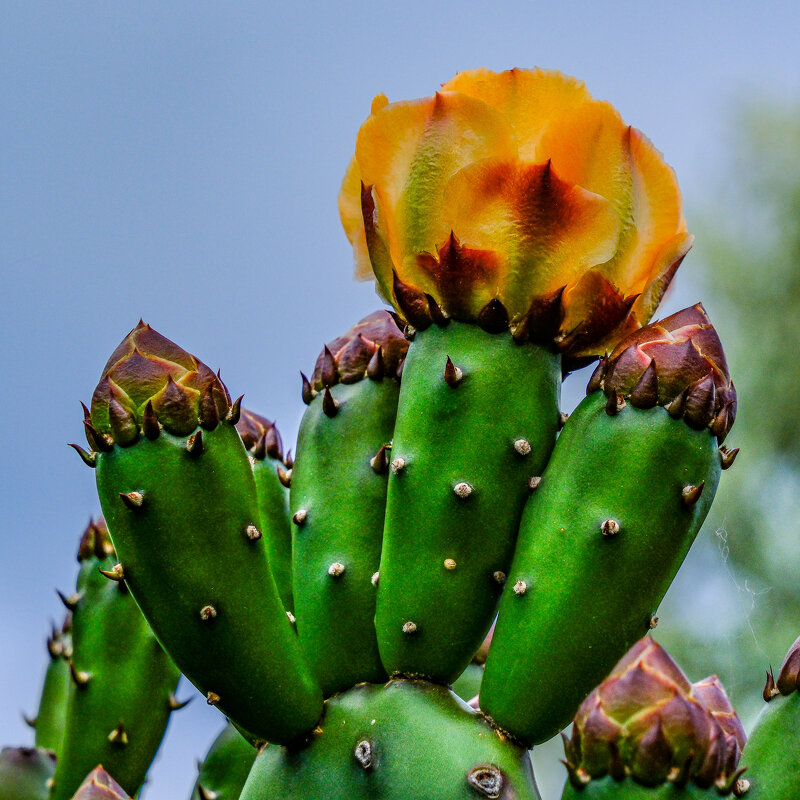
(182, 507)
(25, 773)
(626, 789)
(272, 471)
(338, 499)
(772, 753)
(600, 542)
(225, 768)
(99, 785)
(52, 714)
(196, 564)
(123, 680)
(407, 740)
(477, 419)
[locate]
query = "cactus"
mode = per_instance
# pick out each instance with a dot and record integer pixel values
(99, 785)
(180, 499)
(647, 732)
(407, 740)
(773, 750)
(225, 768)
(25, 773)
(338, 496)
(641, 453)
(471, 210)
(51, 717)
(272, 473)
(123, 681)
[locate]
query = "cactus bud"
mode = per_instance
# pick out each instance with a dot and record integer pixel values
(647, 721)
(677, 363)
(99, 785)
(150, 380)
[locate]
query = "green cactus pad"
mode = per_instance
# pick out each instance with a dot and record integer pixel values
(407, 740)
(225, 768)
(123, 681)
(185, 527)
(25, 773)
(600, 542)
(609, 789)
(51, 717)
(477, 418)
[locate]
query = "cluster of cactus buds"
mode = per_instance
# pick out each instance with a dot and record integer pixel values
(382, 614)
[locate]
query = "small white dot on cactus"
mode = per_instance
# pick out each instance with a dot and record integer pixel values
(522, 446)
(462, 490)
(520, 587)
(449, 563)
(609, 527)
(499, 577)
(409, 627)
(336, 569)
(375, 578)
(398, 465)
(208, 613)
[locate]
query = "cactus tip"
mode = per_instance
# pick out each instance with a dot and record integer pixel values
(194, 444)
(452, 373)
(90, 459)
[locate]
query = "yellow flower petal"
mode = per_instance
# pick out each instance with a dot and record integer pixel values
(353, 222)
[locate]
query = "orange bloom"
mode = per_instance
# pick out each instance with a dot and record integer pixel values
(515, 197)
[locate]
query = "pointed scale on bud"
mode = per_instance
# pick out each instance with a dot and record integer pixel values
(647, 721)
(99, 785)
(150, 380)
(677, 363)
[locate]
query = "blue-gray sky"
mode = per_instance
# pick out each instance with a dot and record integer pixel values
(181, 162)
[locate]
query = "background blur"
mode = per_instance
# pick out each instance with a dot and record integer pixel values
(181, 162)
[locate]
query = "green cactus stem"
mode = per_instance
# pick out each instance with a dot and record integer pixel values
(51, 716)
(272, 470)
(407, 740)
(646, 732)
(626, 490)
(225, 768)
(99, 785)
(772, 753)
(477, 418)
(25, 773)
(123, 681)
(338, 498)
(178, 493)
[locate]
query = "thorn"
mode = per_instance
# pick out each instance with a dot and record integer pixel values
(398, 465)
(273, 443)
(676, 407)
(308, 392)
(534, 482)
(122, 420)
(609, 528)
(380, 461)
(653, 624)
(71, 602)
(212, 698)
(285, 477)
(596, 381)
(260, 449)
(288, 462)
(727, 456)
(31, 723)
(522, 446)
(206, 794)
(116, 573)
(701, 400)
(462, 490)
(691, 494)
(132, 500)
(150, 424)
(119, 736)
(177, 705)
(376, 368)
(493, 317)
(412, 303)
(194, 444)
(450, 564)
(328, 372)
(645, 393)
(520, 587)
(452, 374)
(90, 459)
(81, 679)
(300, 516)
(363, 754)
(375, 578)
(208, 413)
(235, 411)
(291, 617)
(770, 689)
(87, 415)
(97, 441)
(329, 405)
(207, 613)
(499, 577)
(562, 419)
(253, 533)
(409, 628)
(615, 403)
(336, 569)
(436, 312)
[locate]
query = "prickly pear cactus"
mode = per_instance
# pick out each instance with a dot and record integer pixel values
(647, 732)
(225, 768)
(25, 773)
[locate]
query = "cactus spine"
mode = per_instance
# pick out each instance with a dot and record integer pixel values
(338, 498)
(626, 491)
(123, 681)
(178, 492)
(407, 740)
(272, 473)
(51, 718)
(225, 768)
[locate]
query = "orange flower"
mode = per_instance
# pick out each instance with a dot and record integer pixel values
(514, 198)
